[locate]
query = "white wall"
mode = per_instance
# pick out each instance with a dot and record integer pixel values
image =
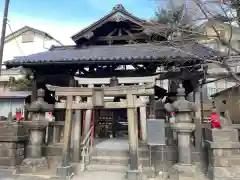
(10, 105)
(41, 43)
(218, 86)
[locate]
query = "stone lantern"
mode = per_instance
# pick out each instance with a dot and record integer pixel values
(35, 161)
(184, 127)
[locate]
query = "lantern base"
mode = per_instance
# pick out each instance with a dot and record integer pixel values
(183, 172)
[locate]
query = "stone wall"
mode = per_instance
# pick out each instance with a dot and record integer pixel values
(168, 155)
(224, 154)
(11, 153)
(12, 142)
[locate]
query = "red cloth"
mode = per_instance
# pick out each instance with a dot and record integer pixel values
(19, 116)
(215, 121)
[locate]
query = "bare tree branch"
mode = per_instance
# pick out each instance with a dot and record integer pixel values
(187, 33)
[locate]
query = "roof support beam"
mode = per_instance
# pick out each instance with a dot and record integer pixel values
(122, 80)
(123, 37)
(143, 90)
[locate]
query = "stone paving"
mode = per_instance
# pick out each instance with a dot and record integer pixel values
(98, 175)
(113, 144)
(93, 175)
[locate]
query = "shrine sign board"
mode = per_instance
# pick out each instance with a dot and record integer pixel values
(156, 132)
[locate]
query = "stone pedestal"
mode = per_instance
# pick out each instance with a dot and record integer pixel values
(224, 154)
(182, 172)
(133, 175)
(35, 161)
(65, 171)
(12, 140)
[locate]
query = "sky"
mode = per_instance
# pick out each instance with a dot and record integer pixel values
(64, 18)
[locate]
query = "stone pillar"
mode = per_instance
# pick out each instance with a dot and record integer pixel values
(65, 169)
(77, 133)
(56, 134)
(88, 115)
(35, 161)
(152, 107)
(34, 89)
(114, 82)
(184, 169)
(198, 118)
(133, 172)
(143, 118)
(223, 152)
(162, 114)
(143, 123)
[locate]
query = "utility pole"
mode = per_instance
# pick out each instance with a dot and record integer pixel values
(4, 24)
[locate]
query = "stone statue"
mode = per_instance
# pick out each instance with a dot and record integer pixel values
(225, 120)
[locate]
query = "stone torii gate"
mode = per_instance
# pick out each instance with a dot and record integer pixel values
(97, 101)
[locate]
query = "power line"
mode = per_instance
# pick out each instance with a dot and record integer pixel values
(14, 37)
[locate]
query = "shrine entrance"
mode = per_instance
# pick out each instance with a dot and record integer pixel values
(111, 123)
(124, 112)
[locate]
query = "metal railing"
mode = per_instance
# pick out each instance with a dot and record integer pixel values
(86, 149)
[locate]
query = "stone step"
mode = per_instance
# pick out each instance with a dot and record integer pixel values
(148, 171)
(110, 160)
(120, 153)
(105, 167)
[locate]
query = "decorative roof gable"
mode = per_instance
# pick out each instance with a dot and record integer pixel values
(117, 14)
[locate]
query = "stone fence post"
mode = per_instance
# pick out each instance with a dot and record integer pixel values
(12, 140)
(224, 153)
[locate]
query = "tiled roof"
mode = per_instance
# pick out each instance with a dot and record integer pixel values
(125, 53)
(15, 94)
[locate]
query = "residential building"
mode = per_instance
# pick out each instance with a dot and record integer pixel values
(230, 35)
(27, 40)
(24, 41)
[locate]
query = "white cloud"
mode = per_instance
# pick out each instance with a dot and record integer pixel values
(62, 31)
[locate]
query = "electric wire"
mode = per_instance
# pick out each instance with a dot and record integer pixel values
(15, 39)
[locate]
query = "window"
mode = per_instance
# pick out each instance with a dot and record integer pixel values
(28, 37)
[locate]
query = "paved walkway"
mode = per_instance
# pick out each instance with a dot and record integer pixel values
(113, 144)
(98, 175)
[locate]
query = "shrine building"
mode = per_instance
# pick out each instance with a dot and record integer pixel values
(115, 51)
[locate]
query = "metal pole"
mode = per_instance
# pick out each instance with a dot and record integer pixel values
(4, 24)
